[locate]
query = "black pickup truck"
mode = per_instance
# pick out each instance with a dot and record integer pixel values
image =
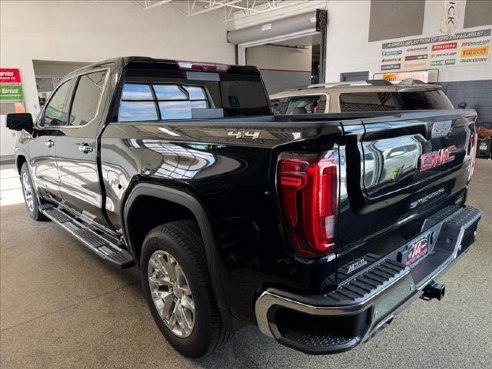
(319, 229)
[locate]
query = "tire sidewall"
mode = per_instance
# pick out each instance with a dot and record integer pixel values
(35, 210)
(198, 343)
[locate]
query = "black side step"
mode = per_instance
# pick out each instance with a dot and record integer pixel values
(99, 245)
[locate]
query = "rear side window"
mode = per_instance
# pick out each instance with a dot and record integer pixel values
(369, 101)
(87, 97)
(428, 99)
(137, 103)
(56, 112)
(306, 105)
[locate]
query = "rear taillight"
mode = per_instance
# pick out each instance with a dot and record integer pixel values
(308, 188)
(473, 153)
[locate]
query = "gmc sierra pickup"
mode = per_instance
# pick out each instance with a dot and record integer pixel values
(317, 228)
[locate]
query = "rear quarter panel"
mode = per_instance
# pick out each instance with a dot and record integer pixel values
(229, 167)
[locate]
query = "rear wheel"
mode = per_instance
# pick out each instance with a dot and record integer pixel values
(30, 197)
(178, 289)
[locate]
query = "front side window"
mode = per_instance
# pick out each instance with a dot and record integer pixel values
(56, 112)
(87, 96)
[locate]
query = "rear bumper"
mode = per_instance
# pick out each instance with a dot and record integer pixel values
(365, 303)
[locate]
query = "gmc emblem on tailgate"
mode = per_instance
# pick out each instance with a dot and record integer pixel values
(436, 158)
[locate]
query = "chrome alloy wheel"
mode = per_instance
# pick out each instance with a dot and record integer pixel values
(171, 293)
(28, 195)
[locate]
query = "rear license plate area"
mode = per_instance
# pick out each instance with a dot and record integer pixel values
(415, 250)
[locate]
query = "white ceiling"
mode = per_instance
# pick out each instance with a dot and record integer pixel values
(226, 10)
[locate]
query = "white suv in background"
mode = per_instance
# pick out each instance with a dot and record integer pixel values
(371, 95)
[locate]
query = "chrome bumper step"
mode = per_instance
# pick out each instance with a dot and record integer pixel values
(368, 301)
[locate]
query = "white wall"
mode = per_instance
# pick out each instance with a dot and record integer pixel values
(349, 51)
(282, 68)
(87, 31)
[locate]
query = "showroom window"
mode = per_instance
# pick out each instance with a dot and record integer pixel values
(87, 96)
(144, 102)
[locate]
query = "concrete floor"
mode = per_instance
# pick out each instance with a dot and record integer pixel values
(62, 307)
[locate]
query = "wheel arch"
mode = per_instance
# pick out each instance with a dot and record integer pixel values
(190, 207)
(19, 161)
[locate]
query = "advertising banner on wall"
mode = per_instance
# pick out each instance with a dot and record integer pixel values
(10, 85)
(11, 93)
(427, 76)
(466, 48)
(9, 75)
(451, 16)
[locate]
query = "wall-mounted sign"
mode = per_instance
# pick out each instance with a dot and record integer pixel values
(427, 76)
(11, 92)
(466, 48)
(9, 75)
(19, 107)
(451, 16)
(10, 85)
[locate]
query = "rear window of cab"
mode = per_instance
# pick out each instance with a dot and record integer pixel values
(191, 95)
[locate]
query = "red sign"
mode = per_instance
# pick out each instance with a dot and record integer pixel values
(419, 249)
(449, 45)
(9, 75)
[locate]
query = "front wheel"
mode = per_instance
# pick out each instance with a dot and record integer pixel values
(178, 289)
(30, 197)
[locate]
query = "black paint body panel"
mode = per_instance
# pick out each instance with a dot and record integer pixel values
(231, 177)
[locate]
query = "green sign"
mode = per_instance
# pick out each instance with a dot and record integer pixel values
(11, 92)
(436, 63)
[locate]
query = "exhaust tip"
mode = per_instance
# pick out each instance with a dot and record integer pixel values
(434, 290)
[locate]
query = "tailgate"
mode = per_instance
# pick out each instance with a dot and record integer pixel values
(400, 170)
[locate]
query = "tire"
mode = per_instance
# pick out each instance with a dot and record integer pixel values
(29, 193)
(181, 241)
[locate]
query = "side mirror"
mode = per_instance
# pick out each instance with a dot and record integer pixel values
(20, 121)
(462, 105)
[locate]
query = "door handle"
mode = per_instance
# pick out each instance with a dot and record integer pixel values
(49, 143)
(86, 148)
